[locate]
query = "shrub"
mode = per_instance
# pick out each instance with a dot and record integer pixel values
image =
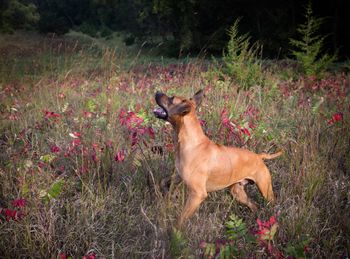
(308, 49)
(178, 244)
(241, 60)
(16, 15)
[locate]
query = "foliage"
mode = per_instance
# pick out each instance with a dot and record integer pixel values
(239, 241)
(299, 250)
(309, 48)
(235, 228)
(95, 18)
(236, 233)
(241, 59)
(84, 163)
(178, 244)
(53, 192)
(177, 28)
(180, 12)
(16, 15)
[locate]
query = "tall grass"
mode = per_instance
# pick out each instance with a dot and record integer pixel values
(80, 145)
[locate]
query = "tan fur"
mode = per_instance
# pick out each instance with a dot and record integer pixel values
(205, 166)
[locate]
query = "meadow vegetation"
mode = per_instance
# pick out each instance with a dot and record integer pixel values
(83, 160)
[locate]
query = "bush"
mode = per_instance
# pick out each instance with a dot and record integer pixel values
(88, 29)
(18, 16)
(129, 40)
(49, 22)
(241, 60)
(105, 31)
(308, 49)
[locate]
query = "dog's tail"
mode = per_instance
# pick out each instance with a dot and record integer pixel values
(270, 156)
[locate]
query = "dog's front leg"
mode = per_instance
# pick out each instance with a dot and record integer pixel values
(194, 199)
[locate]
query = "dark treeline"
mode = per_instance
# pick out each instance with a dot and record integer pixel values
(186, 26)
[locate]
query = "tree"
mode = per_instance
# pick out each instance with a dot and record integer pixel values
(16, 15)
(308, 49)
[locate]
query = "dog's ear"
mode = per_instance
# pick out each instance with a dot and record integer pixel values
(182, 109)
(198, 97)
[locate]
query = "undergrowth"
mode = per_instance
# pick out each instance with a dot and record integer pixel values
(308, 49)
(241, 60)
(84, 163)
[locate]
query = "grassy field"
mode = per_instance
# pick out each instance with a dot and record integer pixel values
(83, 160)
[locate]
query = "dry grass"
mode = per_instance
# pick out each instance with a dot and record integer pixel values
(116, 206)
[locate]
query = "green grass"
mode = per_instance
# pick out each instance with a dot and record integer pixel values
(97, 192)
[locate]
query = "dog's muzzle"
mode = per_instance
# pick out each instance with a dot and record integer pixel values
(160, 111)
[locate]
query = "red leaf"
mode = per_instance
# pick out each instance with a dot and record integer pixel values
(19, 203)
(120, 156)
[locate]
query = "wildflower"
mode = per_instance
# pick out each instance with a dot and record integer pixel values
(11, 214)
(19, 203)
(55, 149)
(130, 119)
(306, 249)
(13, 117)
(109, 143)
(120, 156)
(134, 139)
(336, 117)
(224, 119)
(41, 164)
(49, 114)
(265, 235)
(87, 114)
(246, 131)
(62, 255)
(202, 122)
(121, 115)
(151, 132)
(89, 256)
(267, 229)
(202, 244)
(169, 147)
(76, 142)
(251, 125)
(95, 146)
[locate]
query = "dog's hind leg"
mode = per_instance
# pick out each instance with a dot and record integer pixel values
(238, 192)
(263, 181)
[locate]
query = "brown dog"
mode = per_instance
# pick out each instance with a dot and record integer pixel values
(205, 166)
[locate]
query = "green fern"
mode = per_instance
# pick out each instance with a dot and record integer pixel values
(241, 60)
(236, 228)
(178, 244)
(308, 49)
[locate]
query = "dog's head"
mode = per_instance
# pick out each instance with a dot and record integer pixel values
(173, 108)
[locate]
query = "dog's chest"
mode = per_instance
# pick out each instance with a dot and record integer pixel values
(178, 164)
(182, 169)
(184, 161)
